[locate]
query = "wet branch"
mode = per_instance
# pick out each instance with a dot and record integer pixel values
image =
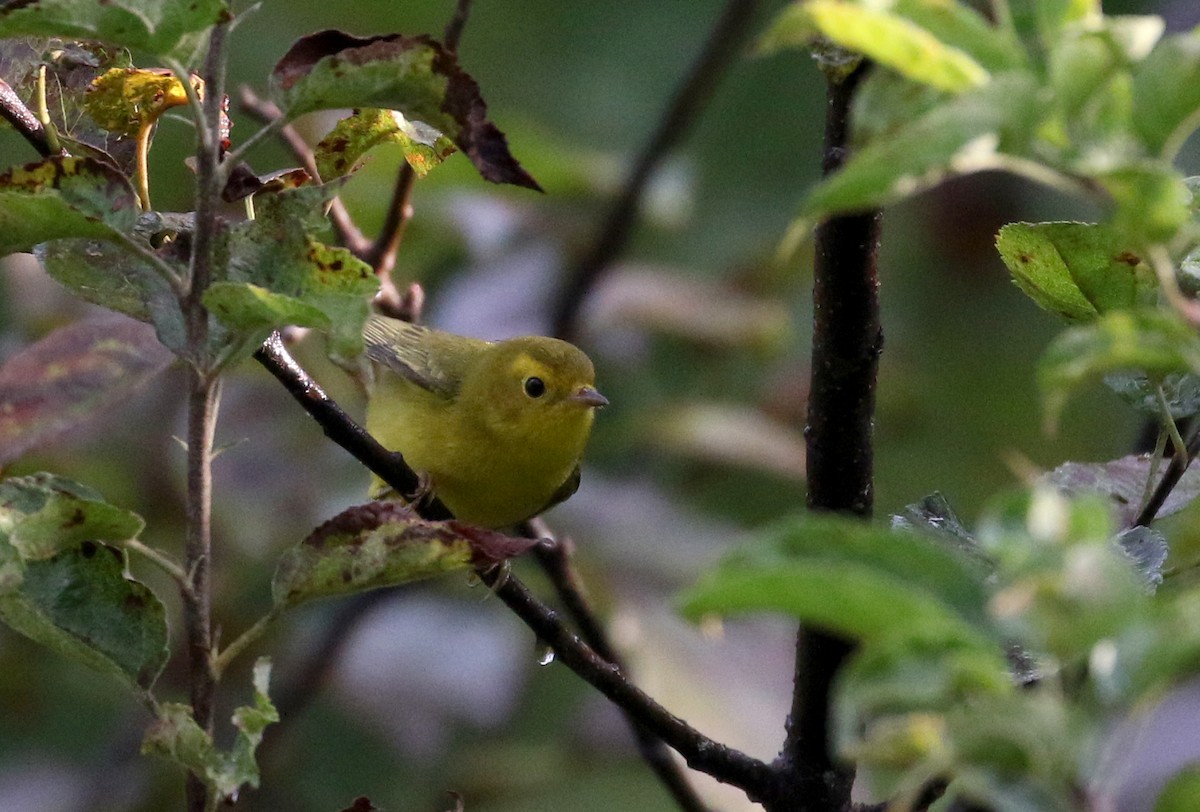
(701, 753)
(24, 121)
(847, 341)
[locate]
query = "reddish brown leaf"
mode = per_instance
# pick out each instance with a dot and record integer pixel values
(72, 375)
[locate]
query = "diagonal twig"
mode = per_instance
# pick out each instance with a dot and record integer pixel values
(722, 46)
(700, 752)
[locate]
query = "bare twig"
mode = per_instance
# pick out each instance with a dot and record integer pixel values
(701, 753)
(382, 254)
(454, 28)
(343, 225)
(723, 45)
(847, 340)
(24, 121)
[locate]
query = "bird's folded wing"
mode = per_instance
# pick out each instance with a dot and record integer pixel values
(431, 359)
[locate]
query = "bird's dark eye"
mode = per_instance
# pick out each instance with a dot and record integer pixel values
(535, 387)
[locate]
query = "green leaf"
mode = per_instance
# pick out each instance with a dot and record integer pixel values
(383, 544)
(162, 27)
(887, 38)
(341, 151)
(63, 197)
(277, 274)
(849, 576)
(43, 514)
(244, 306)
(1166, 94)
(64, 589)
(1154, 343)
(109, 275)
(958, 137)
(1075, 270)
(1152, 201)
(176, 736)
(1182, 792)
(962, 27)
(71, 376)
(415, 75)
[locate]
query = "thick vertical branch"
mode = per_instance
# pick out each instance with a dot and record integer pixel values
(847, 340)
(203, 391)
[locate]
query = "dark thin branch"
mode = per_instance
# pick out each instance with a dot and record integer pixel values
(1175, 470)
(701, 753)
(343, 225)
(554, 556)
(722, 47)
(454, 29)
(847, 340)
(339, 427)
(24, 121)
(382, 254)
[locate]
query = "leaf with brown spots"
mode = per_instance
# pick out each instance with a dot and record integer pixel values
(341, 151)
(62, 587)
(71, 376)
(415, 75)
(384, 544)
(63, 197)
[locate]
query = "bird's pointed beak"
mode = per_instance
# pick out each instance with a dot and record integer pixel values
(588, 396)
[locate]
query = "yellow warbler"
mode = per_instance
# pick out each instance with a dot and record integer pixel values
(498, 429)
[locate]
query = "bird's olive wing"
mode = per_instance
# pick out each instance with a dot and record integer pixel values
(431, 359)
(566, 490)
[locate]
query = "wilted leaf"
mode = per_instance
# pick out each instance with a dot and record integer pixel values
(124, 100)
(1075, 270)
(176, 736)
(1123, 482)
(71, 376)
(163, 28)
(885, 37)
(63, 197)
(384, 544)
(341, 151)
(1154, 343)
(846, 575)
(415, 75)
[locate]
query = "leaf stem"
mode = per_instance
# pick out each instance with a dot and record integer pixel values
(15, 112)
(157, 263)
(142, 172)
(227, 655)
(1169, 424)
(162, 561)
